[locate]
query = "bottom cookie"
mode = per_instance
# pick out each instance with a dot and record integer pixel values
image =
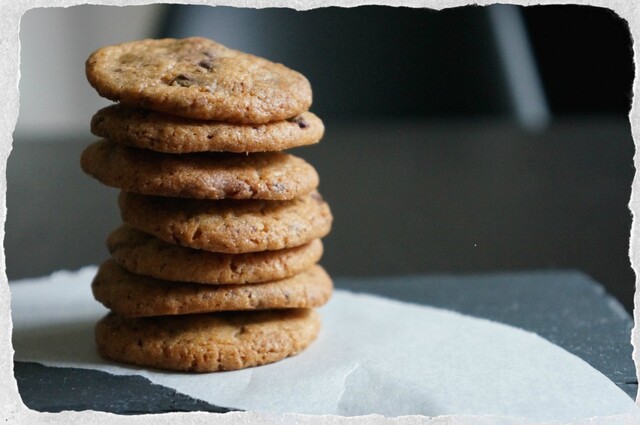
(207, 342)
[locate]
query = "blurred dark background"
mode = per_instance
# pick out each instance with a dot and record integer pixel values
(468, 140)
(381, 62)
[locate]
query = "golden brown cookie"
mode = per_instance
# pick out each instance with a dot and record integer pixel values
(161, 132)
(144, 254)
(229, 226)
(132, 295)
(198, 78)
(207, 342)
(262, 175)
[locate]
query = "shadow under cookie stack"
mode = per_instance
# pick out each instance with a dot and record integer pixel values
(215, 266)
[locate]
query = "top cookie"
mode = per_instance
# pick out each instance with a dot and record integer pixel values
(198, 78)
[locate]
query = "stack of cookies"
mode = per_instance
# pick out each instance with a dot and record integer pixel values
(215, 265)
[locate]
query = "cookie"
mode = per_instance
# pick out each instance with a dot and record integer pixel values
(160, 132)
(228, 226)
(207, 342)
(198, 78)
(132, 295)
(263, 175)
(143, 254)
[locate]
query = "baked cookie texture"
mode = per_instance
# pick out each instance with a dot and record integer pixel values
(131, 295)
(265, 175)
(167, 133)
(215, 266)
(229, 226)
(198, 78)
(144, 254)
(207, 342)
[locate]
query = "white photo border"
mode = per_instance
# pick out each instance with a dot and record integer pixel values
(13, 410)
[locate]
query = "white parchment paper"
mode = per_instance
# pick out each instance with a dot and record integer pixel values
(373, 355)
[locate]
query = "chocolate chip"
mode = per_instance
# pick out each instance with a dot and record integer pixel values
(317, 197)
(206, 64)
(278, 187)
(300, 121)
(182, 80)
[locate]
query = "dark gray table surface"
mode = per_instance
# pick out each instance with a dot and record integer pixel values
(567, 308)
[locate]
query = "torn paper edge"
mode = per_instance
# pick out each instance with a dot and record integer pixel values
(12, 409)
